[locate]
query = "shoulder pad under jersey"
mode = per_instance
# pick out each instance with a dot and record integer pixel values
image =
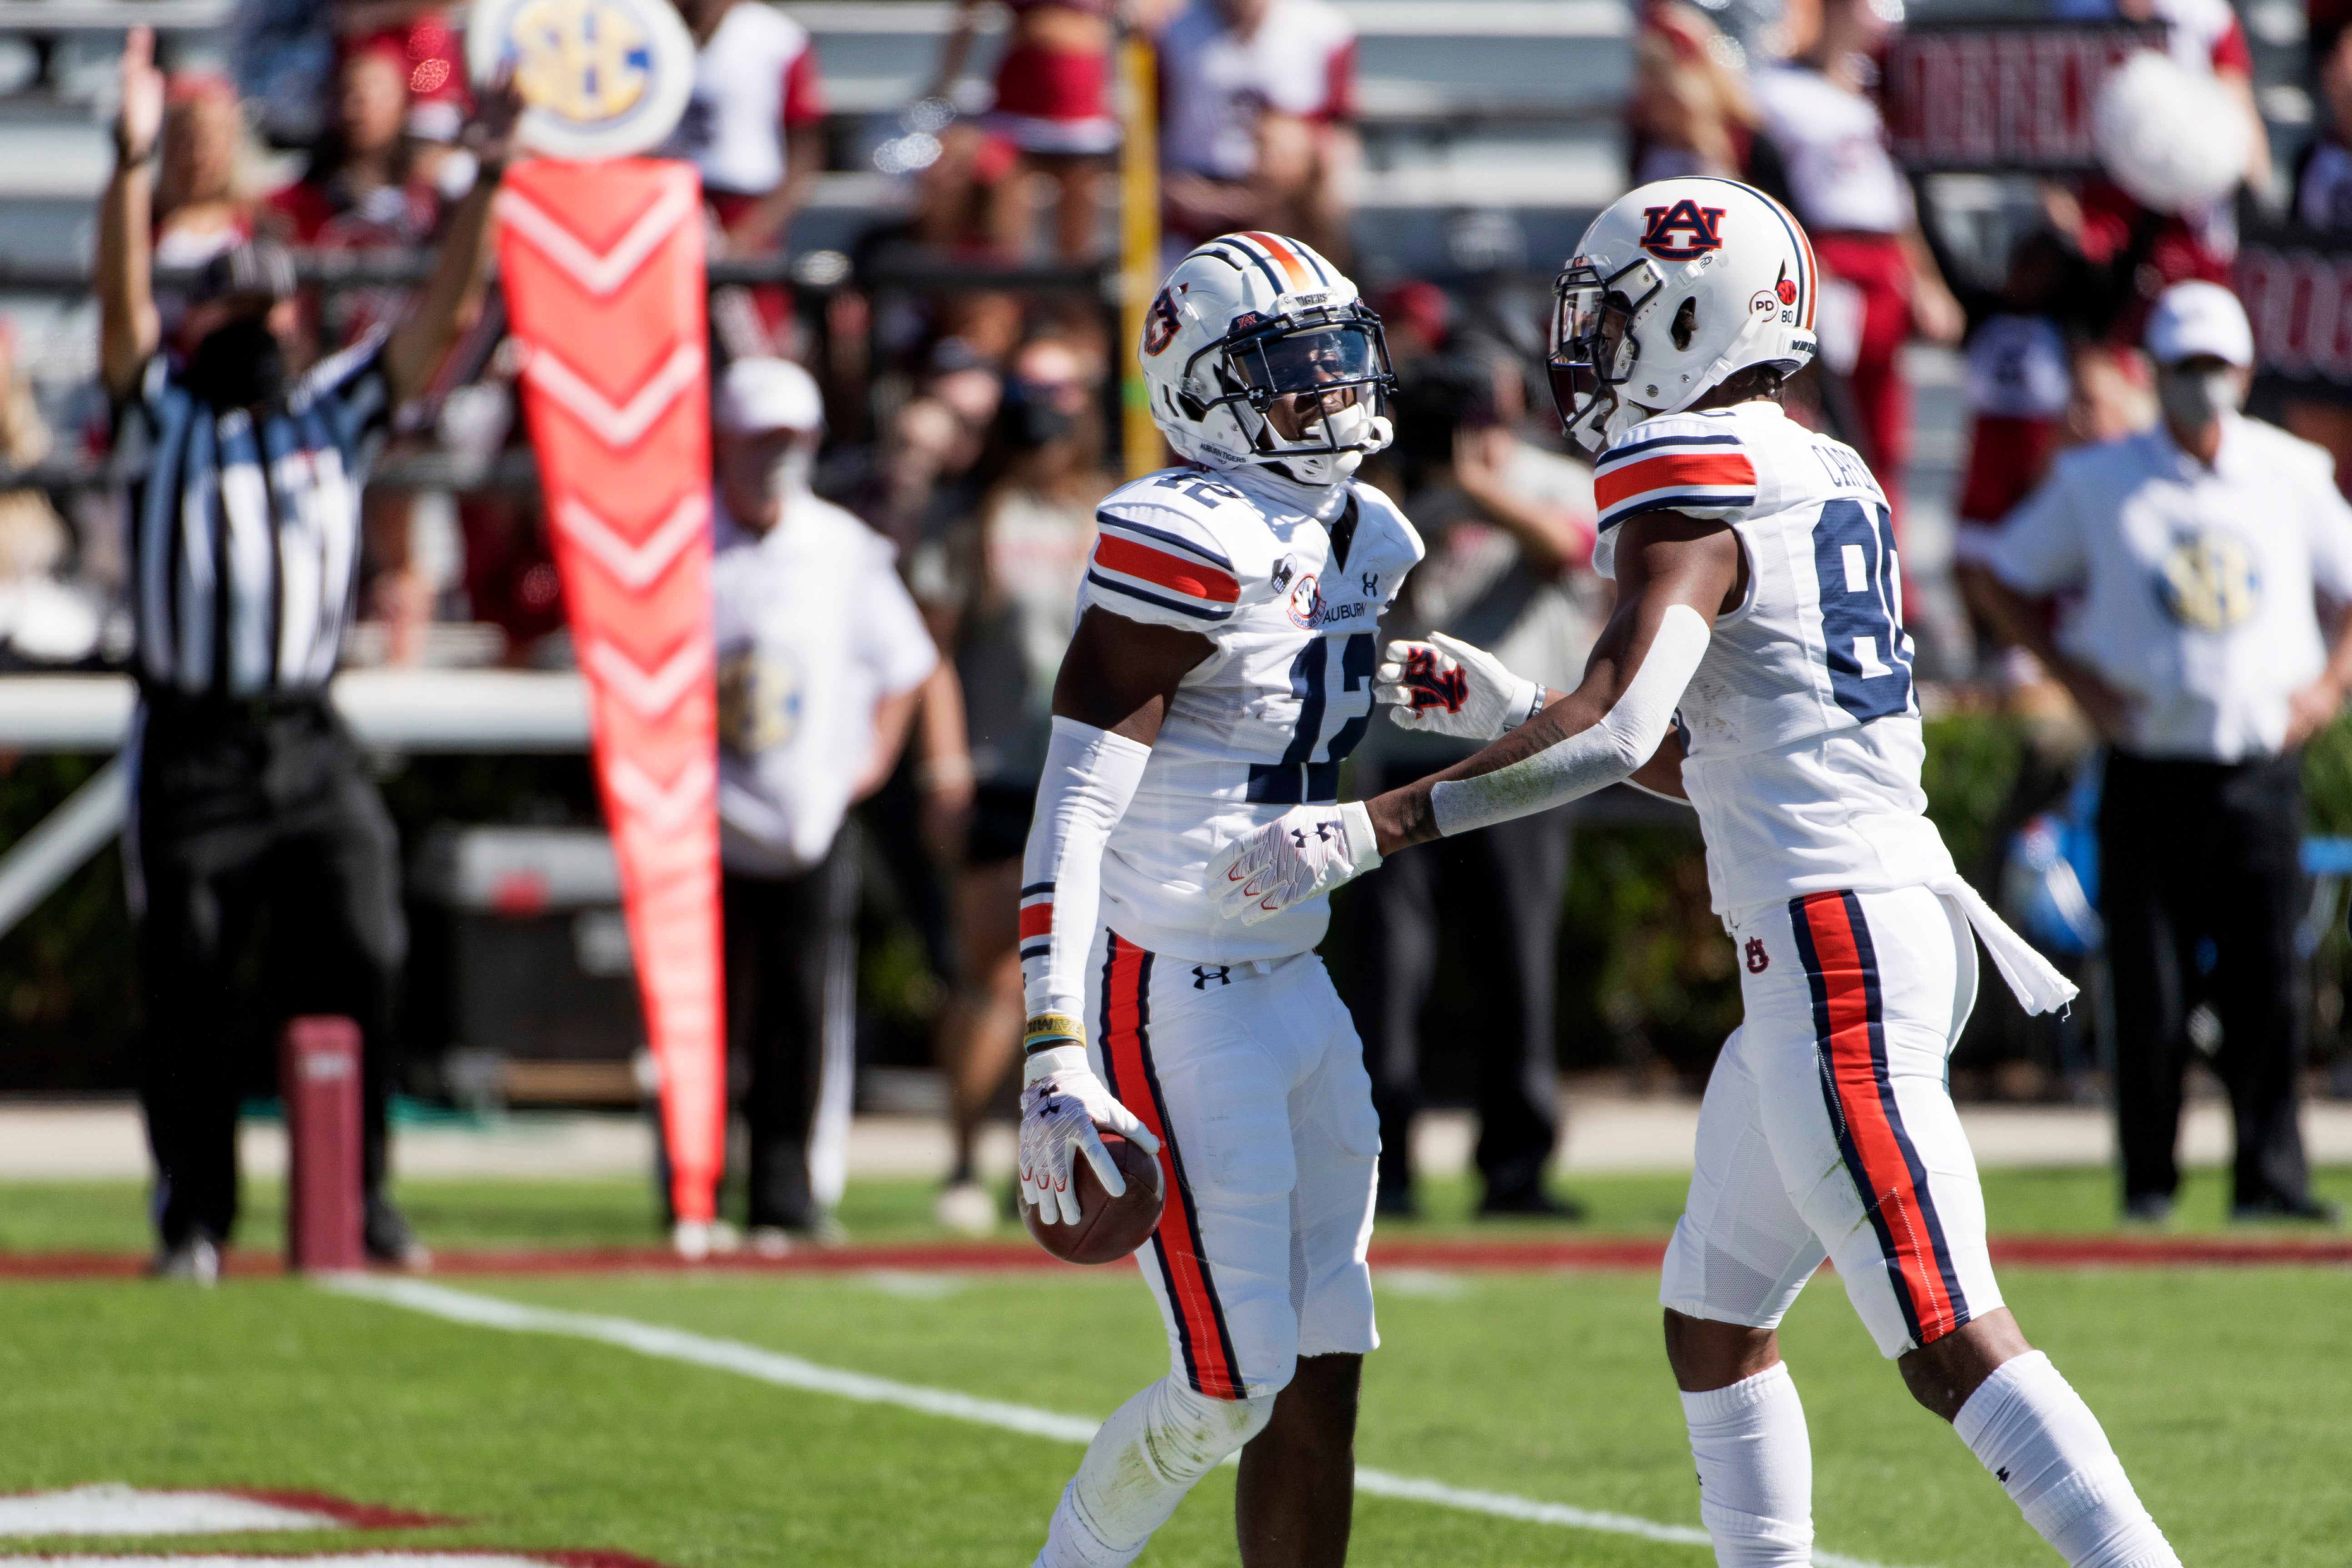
(1180, 548)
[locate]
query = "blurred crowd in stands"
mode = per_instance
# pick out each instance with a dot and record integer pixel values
(972, 427)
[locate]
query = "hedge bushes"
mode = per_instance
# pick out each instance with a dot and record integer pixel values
(1648, 978)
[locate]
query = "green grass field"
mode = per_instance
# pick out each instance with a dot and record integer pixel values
(112, 1215)
(2228, 1392)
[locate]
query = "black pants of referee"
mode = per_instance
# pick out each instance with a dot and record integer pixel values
(244, 807)
(1497, 893)
(2189, 852)
(792, 966)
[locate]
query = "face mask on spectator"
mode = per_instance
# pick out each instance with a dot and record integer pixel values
(789, 473)
(1034, 420)
(237, 364)
(2194, 399)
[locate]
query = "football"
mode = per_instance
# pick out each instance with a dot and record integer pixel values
(1108, 1228)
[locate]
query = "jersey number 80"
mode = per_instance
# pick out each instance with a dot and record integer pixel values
(1861, 610)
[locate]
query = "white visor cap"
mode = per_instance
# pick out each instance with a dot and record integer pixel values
(2193, 318)
(757, 395)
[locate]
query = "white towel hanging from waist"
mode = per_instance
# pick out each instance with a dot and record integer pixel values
(2038, 985)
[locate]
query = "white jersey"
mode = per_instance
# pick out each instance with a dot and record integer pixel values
(812, 628)
(1263, 723)
(1300, 61)
(756, 79)
(1834, 145)
(1800, 726)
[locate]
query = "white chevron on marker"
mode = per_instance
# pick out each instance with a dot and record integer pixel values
(634, 566)
(652, 692)
(621, 426)
(666, 807)
(599, 274)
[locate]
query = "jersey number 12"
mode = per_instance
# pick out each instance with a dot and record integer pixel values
(1303, 778)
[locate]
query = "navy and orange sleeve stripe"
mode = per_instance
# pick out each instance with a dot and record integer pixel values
(1701, 472)
(1161, 575)
(1037, 921)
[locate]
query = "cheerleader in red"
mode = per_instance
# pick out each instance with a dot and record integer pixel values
(1052, 106)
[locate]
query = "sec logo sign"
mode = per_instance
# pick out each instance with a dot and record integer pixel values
(601, 79)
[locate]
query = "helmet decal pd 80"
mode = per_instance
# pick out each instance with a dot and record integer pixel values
(1258, 352)
(1677, 287)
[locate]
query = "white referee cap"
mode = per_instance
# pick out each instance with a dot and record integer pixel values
(756, 396)
(2193, 318)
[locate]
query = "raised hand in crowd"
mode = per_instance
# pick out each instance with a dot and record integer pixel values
(129, 325)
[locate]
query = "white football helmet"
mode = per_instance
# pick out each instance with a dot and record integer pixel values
(1253, 332)
(1679, 285)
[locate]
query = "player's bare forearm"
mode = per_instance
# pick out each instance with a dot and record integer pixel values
(1120, 675)
(1664, 559)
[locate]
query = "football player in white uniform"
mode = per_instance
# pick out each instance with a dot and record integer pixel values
(1756, 663)
(1222, 668)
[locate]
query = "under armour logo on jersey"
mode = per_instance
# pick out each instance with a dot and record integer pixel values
(1703, 225)
(1205, 972)
(1431, 689)
(1759, 960)
(1372, 585)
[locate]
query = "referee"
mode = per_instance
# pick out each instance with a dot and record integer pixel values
(2195, 549)
(244, 542)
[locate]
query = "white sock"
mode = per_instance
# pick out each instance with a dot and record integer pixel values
(1138, 1467)
(2027, 1426)
(1755, 1470)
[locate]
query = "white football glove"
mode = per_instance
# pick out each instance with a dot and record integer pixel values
(1445, 687)
(1062, 1104)
(1307, 850)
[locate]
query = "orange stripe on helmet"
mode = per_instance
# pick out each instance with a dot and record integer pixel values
(1282, 254)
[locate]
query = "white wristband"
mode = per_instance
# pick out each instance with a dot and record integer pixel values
(1526, 703)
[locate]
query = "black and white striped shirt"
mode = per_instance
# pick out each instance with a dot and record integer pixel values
(244, 530)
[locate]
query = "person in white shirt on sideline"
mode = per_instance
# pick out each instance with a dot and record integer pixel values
(2197, 549)
(754, 131)
(820, 652)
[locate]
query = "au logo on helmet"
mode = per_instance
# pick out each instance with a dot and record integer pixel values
(1702, 226)
(1161, 324)
(600, 78)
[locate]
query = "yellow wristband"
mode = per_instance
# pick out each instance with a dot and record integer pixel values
(1050, 1029)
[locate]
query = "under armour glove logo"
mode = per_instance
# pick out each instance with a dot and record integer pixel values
(1298, 836)
(1431, 689)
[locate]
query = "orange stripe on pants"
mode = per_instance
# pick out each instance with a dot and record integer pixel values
(1877, 1155)
(1200, 1330)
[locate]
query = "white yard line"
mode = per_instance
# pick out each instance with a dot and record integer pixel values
(792, 1372)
